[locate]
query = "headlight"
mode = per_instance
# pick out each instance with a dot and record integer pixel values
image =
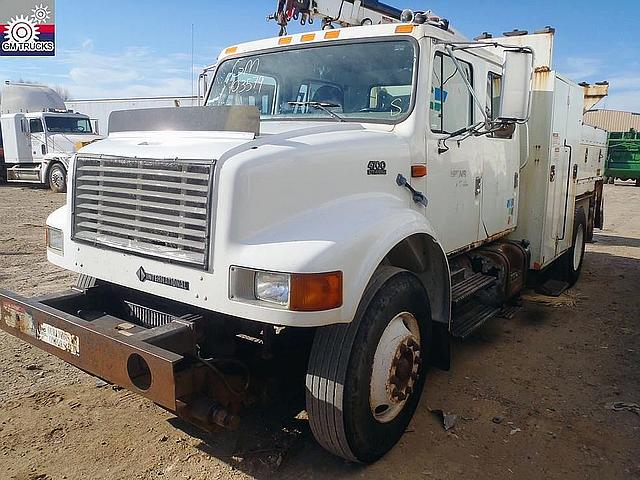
(55, 239)
(300, 292)
(272, 287)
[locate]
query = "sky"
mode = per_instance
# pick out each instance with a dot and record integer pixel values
(118, 48)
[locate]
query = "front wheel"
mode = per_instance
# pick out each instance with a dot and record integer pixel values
(365, 379)
(57, 178)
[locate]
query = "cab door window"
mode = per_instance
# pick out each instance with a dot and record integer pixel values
(35, 125)
(494, 85)
(451, 104)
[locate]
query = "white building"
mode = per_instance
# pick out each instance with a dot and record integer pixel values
(100, 109)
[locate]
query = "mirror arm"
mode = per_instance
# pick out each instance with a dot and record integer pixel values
(467, 83)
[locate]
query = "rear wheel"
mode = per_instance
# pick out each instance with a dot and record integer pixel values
(574, 257)
(365, 378)
(57, 178)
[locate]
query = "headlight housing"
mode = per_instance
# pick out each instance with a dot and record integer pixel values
(55, 239)
(301, 292)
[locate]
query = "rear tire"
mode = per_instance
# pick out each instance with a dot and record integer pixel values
(573, 259)
(637, 182)
(365, 378)
(57, 178)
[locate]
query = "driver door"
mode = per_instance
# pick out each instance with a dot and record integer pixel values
(38, 139)
(455, 169)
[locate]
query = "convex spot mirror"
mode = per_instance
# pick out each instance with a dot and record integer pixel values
(515, 94)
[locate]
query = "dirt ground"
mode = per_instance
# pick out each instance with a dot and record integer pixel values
(530, 393)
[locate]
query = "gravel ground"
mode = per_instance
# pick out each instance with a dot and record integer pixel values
(530, 393)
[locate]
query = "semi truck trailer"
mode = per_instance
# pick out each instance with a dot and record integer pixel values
(39, 135)
(345, 203)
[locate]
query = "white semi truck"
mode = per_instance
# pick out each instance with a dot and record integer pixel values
(39, 135)
(346, 201)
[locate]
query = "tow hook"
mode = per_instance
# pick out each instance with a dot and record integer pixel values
(417, 196)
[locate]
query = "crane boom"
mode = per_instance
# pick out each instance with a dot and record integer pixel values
(345, 13)
(350, 13)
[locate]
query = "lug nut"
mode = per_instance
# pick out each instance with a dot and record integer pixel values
(402, 396)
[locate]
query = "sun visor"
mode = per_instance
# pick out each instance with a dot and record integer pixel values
(242, 118)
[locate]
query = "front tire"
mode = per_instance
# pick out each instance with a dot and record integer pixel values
(57, 178)
(365, 378)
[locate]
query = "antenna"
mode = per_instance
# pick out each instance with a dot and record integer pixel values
(192, 48)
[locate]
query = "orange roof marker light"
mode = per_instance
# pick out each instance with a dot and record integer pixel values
(231, 50)
(284, 40)
(405, 28)
(331, 34)
(308, 37)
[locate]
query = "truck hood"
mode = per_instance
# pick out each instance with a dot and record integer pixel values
(70, 143)
(208, 145)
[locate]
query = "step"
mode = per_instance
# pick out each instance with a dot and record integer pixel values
(472, 318)
(465, 289)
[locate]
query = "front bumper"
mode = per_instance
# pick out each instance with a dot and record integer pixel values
(156, 363)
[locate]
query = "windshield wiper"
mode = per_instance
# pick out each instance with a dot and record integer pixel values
(324, 106)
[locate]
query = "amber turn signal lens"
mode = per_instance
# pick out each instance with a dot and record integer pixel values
(404, 28)
(418, 171)
(313, 292)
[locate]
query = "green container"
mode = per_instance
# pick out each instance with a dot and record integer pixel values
(623, 159)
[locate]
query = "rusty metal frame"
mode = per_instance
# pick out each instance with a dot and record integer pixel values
(103, 351)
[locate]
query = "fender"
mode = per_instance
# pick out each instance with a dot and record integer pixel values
(356, 235)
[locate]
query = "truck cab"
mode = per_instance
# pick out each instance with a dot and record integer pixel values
(40, 135)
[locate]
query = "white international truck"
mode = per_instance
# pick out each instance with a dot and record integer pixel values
(39, 135)
(346, 201)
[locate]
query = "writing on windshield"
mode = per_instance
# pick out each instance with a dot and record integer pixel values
(368, 81)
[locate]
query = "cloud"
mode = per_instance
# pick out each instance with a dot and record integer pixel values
(580, 68)
(627, 100)
(134, 71)
(130, 72)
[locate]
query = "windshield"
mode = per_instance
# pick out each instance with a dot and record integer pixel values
(60, 124)
(365, 81)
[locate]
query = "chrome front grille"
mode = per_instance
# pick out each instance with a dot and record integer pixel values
(157, 208)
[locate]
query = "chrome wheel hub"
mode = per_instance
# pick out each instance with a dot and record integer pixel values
(57, 178)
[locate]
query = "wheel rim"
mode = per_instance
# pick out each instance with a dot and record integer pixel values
(395, 367)
(57, 178)
(577, 248)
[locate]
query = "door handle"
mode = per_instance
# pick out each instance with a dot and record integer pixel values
(478, 185)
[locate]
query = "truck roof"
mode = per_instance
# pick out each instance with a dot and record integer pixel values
(348, 33)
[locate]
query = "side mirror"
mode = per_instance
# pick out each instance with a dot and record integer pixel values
(515, 94)
(24, 126)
